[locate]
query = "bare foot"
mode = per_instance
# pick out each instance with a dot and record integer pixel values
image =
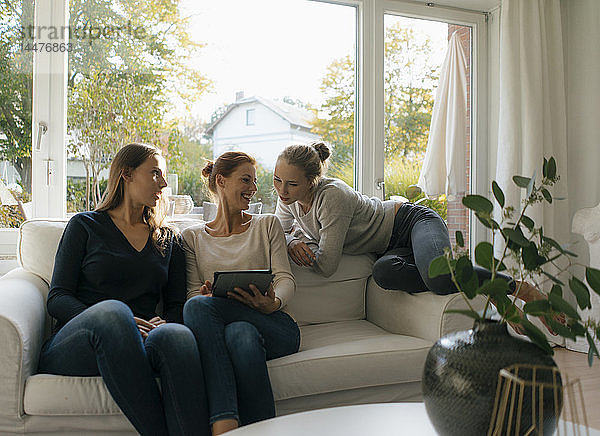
(527, 292)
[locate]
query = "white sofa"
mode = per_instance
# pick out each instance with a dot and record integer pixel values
(360, 344)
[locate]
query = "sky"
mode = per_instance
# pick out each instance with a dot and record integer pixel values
(273, 48)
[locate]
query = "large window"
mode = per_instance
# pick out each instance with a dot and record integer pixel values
(414, 50)
(178, 73)
(209, 82)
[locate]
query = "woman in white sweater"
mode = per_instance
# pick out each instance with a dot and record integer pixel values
(238, 334)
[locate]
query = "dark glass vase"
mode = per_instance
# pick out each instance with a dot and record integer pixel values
(461, 375)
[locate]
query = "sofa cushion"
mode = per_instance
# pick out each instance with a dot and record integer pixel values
(58, 395)
(347, 355)
(340, 297)
(37, 244)
(333, 357)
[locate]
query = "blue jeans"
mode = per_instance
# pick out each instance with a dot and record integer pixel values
(235, 341)
(105, 340)
(419, 236)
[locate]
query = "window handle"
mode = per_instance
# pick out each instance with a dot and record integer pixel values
(380, 185)
(42, 129)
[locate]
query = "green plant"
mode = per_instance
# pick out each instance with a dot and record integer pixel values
(533, 254)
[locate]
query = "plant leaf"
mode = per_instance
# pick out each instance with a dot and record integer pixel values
(547, 195)
(464, 273)
(578, 329)
(593, 278)
(438, 267)
(498, 193)
(537, 307)
(554, 279)
(545, 168)
(560, 305)
(487, 220)
(560, 329)
(592, 344)
(528, 222)
(536, 336)
(521, 181)
(478, 203)
(484, 255)
(496, 288)
(515, 236)
(556, 289)
(551, 168)
(581, 292)
(460, 241)
(531, 258)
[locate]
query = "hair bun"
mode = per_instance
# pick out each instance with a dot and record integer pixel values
(207, 170)
(322, 149)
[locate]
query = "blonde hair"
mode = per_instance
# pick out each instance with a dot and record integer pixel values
(224, 165)
(128, 159)
(312, 159)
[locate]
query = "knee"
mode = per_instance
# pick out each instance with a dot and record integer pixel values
(440, 285)
(195, 307)
(242, 337)
(385, 271)
(172, 338)
(111, 313)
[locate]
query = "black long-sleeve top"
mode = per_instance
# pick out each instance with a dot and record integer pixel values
(95, 262)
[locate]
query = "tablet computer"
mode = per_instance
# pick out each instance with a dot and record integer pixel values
(225, 281)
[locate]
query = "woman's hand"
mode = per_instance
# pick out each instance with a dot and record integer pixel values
(206, 289)
(146, 326)
(267, 303)
(301, 253)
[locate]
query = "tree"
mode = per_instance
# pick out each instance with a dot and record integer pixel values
(143, 39)
(16, 83)
(408, 80)
(126, 69)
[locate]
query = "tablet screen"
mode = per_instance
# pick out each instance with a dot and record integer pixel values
(225, 281)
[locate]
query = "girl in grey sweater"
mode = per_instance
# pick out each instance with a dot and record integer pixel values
(324, 217)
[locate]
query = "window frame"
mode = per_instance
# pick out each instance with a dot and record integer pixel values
(50, 103)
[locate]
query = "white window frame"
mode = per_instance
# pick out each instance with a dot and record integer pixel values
(50, 103)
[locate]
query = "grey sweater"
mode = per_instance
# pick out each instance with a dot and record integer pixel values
(340, 220)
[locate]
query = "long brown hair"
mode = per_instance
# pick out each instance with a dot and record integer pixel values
(127, 159)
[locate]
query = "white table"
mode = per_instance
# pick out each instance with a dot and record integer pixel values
(385, 419)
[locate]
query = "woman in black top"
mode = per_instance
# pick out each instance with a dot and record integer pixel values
(112, 267)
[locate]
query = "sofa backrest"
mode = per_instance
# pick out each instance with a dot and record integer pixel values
(340, 297)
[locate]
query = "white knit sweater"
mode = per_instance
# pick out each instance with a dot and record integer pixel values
(261, 246)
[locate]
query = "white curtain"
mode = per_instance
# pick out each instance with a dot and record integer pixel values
(444, 166)
(532, 105)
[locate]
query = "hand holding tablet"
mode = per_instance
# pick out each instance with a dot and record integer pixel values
(225, 281)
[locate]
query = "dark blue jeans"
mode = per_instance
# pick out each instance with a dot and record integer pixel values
(419, 236)
(105, 340)
(235, 341)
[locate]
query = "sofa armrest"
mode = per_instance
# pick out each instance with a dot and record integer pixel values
(421, 315)
(22, 327)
